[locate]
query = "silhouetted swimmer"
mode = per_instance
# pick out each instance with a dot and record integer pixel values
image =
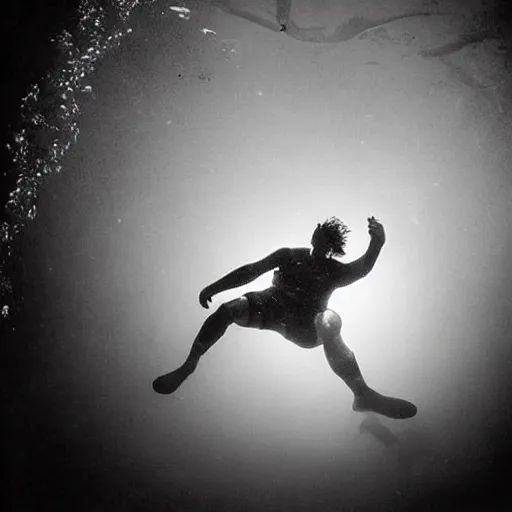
(350, 28)
(283, 8)
(295, 306)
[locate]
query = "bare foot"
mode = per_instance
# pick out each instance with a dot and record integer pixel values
(394, 408)
(170, 382)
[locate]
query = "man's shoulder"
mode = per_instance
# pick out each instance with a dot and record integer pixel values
(296, 254)
(338, 267)
(300, 251)
(290, 255)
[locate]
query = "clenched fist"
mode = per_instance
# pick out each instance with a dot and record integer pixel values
(376, 230)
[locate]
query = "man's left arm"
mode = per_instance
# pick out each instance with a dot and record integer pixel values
(359, 268)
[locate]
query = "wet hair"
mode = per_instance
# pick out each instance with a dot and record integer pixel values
(335, 233)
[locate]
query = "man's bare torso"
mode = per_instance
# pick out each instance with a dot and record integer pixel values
(308, 280)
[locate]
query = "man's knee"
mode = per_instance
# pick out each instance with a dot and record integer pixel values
(328, 324)
(236, 310)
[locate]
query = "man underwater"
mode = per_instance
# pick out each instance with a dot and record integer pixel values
(295, 306)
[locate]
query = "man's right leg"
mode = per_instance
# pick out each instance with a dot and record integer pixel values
(235, 311)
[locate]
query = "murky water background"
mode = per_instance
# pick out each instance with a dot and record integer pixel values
(198, 141)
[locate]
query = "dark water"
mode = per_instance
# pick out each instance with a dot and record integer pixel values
(163, 167)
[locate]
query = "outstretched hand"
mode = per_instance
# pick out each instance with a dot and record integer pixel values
(376, 230)
(204, 297)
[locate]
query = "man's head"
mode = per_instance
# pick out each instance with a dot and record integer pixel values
(329, 238)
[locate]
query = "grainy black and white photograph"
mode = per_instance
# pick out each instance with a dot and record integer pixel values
(255, 256)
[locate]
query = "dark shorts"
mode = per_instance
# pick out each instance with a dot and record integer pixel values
(273, 310)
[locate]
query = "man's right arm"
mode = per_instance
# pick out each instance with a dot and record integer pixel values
(245, 274)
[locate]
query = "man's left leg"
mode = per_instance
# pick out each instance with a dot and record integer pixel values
(343, 362)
